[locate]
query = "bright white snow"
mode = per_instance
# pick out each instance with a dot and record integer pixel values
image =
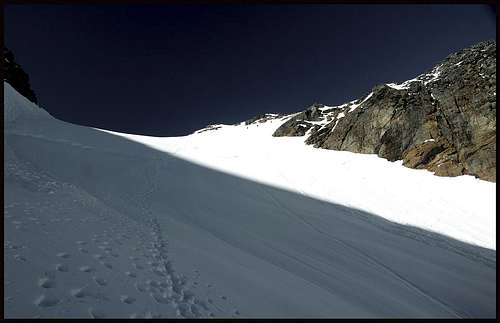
(354, 106)
(424, 78)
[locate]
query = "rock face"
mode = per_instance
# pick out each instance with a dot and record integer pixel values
(16, 76)
(443, 120)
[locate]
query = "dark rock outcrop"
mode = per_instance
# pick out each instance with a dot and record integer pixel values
(16, 76)
(443, 120)
(262, 118)
(298, 125)
(208, 128)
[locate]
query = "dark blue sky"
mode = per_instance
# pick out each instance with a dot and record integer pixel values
(169, 70)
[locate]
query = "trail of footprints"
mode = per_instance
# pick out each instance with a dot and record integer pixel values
(169, 290)
(47, 280)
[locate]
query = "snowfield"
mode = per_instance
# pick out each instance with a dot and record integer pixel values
(461, 207)
(232, 222)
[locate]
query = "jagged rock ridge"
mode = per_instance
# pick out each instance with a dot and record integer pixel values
(14, 74)
(443, 120)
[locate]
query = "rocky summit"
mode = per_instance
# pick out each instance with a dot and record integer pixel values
(443, 120)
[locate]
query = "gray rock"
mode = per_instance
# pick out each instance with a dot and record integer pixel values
(445, 123)
(298, 125)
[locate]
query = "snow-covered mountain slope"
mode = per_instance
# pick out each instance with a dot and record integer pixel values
(97, 225)
(461, 207)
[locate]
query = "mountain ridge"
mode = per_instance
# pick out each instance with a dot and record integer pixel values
(443, 120)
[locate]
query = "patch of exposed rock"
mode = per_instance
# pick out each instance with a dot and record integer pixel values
(208, 128)
(443, 120)
(16, 76)
(262, 118)
(300, 123)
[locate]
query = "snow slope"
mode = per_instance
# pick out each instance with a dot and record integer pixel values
(461, 207)
(97, 225)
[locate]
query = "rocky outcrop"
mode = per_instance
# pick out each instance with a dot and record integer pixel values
(443, 120)
(262, 118)
(208, 128)
(16, 76)
(300, 123)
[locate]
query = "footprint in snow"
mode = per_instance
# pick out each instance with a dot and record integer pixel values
(62, 268)
(160, 298)
(106, 264)
(98, 257)
(79, 292)
(100, 281)
(152, 283)
(157, 272)
(19, 257)
(127, 299)
(130, 274)
(86, 269)
(105, 248)
(95, 314)
(140, 287)
(46, 282)
(45, 300)
(64, 255)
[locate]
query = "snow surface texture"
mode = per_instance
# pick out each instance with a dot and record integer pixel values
(99, 226)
